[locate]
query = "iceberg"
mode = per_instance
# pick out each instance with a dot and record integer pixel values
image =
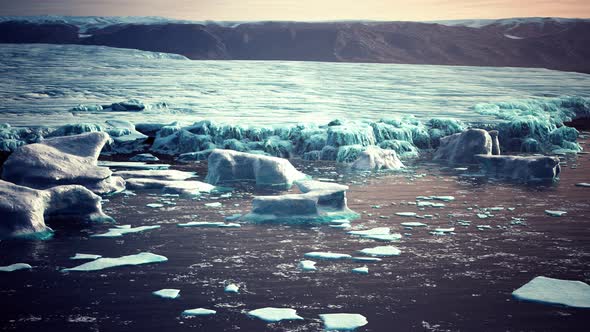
(555, 213)
(231, 288)
(381, 251)
(105, 263)
(15, 267)
(343, 321)
(547, 290)
(375, 158)
(85, 256)
(326, 255)
(366, 259)
(230, 166)
(361, 270)
(198, 312)
(167, 293)
(25, 210)
(406, 214)
(320, 202)
(521, 168)
(413, 224)
(272, 315)
(461, 148)
(62, 161)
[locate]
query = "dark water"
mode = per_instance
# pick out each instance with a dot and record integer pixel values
(439, 283)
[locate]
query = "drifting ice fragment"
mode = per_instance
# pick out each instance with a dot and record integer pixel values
(307, 265)
(555, 291)
(85, 256)
(384, 237)
(361, 270)
(326, 255)
(144, 157)
(213, 205)
(381, 251)
(555, 213)
(583, 184)
(343, 322)
(105, 263)
(15, 267)
(132, 165)
(123, 229)
(372, 231)
(189, 188)
(167, 293)
(199, 312)
(413, 224)
(154, 205)
(366, 259)
(231, 288)
(272, 315)
(157, 174)
(406, 214)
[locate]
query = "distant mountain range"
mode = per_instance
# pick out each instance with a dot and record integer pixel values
(554, 43)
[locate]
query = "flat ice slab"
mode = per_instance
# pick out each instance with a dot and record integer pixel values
(381, 251)
(413, 224)
(361, 270)
(86, 256)
(199, 312)
(272, 315)
(132, 165)
(326, 255)
(157, 174)
(105, 263)
(124, 229)
(569, 293)
(343, 322)
(555, 213)
(406, 214)
(307, 265)
(167, 293)
(15, 267)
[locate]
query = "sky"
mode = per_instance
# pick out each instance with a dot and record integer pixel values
(303, 10)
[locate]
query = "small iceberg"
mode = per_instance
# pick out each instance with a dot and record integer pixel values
(307, 265)
(361, 270)
(15, 267)
(105, 263)
(326, 255)
(213, 205)
(167, 293)
(383, 251)
(367, 259)
(413, 224)
(209, 224)
(569, 293)
(379, 233)
(583, 184)
(555, 213)
(124, 229)
(198, 312)
(343, 322)
(155, 205)
(273, 315)
(406, 214)
(85, 256)
(231, 288)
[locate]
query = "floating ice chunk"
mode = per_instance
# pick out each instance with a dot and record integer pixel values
(233, 217)
(461, 148)
(167, 293)
(361, 270)
(157, 174)
(342, 226)
(340, 221)
(374, 158)
(372, 231)
(569, 293)
(406, 214)
(326, 255)
(273, 315)
(144, 157)
(23, 210)
(384, 237)
(430, 204)
(154, 205)
(105, 263)
(482, 227)
(214, 205)
(230, 225)
(85, 256)
(445, 230)
(583, 184)
(483, 216)
(520, 168)
(413, 224)
(343, 322)
(132, 165)
(202, 224)
(381, 251)
(307, 265)
(366, 259)
(555, 213)
(444, 198)
(231, 288)
(15, 267)
(228, 166)
(188, 188)
(62, 161)
(198, 312)
(120, 231)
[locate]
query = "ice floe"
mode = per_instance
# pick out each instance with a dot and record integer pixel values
(105, 263)
(307, 265)
(569, 293)
(15, 267)
(520, 168)
(62, 161)
(132, 165)
(144, 157)
(167, 293)
(413, 224)
(555, 213)
(231, 288)
(198, 312)
(343, 321)
(406, 214)
(461, 148)
(209, 224)
(157, 174)
(381, 251)
(375, 158)
(366, 259)
(85, 256)
(272, 315)
(124, 229)
(326, 255)
(184, 188)
(361, 270)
